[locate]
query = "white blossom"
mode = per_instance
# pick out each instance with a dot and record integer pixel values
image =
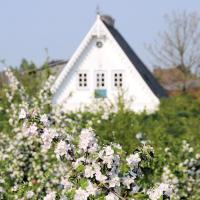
(99, 176)
(89, 172)
(78, 162)
(109, 151)
(44, 119)
(127, 181)
(108, 157)
(62, 149)
(2, 190)
(133, 159)
(139, 136)
(157, 192)
(47, 137)
(114, 182)
(63, 198)
(22, 114)
(30, 194)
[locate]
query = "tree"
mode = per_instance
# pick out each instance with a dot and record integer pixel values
(27, 66)
(179, 45)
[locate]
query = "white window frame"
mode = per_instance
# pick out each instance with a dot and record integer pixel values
(113, 79)
(78, 81)
(105, 79)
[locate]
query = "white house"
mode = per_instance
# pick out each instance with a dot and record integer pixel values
(103, 64)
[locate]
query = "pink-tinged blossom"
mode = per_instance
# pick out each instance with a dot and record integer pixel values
(32, 130)
(50, 196)
(135, 189)
(81, 194)
(67, 185)
(91, 189)
(47, 137)
(87, 141)
(111, 196)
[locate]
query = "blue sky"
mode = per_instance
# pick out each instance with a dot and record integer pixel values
(27, 27)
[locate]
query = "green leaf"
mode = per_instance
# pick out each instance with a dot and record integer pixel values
(83, 183)
(80, 168)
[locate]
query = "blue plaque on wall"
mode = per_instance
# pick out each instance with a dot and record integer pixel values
(100, 93)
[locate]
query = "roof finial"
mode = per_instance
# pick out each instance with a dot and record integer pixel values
(98, 10)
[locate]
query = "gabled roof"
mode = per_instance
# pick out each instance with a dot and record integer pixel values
(108, 23)
(156, 88)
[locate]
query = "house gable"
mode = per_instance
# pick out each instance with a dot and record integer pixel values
(117, 56)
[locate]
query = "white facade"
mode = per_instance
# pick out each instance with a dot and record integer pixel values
(100, 65)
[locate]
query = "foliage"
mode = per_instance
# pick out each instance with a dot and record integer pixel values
(31, 77)
(48, 154)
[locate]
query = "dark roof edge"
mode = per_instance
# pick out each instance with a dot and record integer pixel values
(157, 89)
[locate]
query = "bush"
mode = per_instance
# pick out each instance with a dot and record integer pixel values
(47, 154)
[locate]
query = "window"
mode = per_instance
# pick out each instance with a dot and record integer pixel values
(100, 81)
(99, 44)
(117, 79)
(82, 80)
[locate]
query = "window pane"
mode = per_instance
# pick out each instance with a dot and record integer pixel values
(117, 79)
(82, 80)
(100, 80)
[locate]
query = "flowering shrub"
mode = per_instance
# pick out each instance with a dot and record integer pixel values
(50, 155)
(93, 171)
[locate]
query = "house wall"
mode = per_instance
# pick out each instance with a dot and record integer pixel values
(109, 58)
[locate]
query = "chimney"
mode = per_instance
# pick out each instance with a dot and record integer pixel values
(108, 20)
